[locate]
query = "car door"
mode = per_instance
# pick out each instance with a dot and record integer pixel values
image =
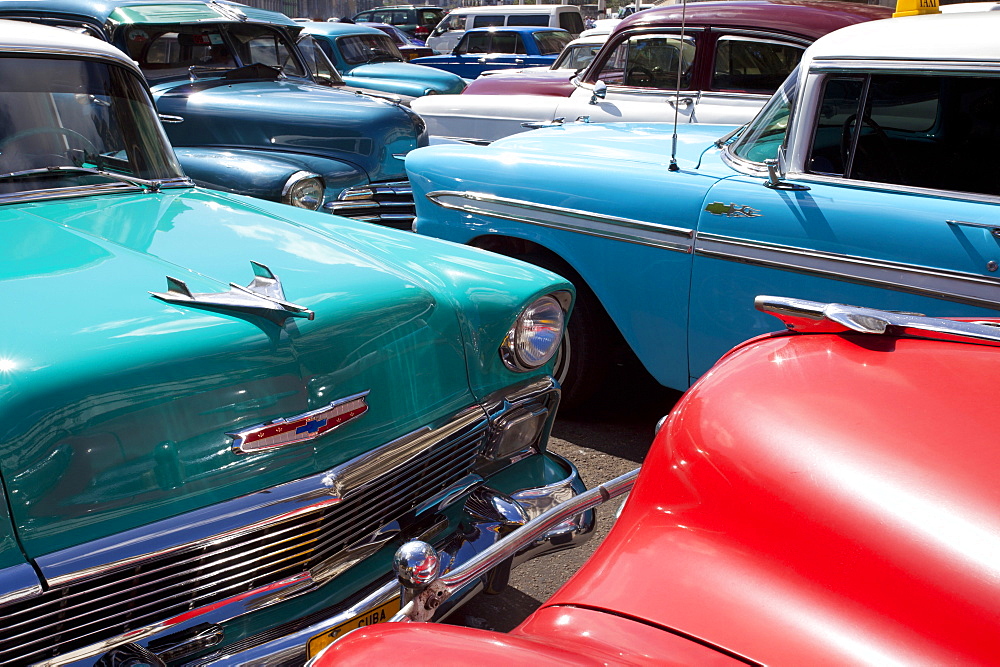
(899, 211)
(641, 75)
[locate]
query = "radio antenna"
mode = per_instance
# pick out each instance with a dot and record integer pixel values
(677, 97)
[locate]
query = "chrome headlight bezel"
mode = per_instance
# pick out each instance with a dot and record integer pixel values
(296, 191)
(537, 332)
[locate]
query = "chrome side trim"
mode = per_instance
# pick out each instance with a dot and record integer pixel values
(814, 316)
(900, 66)
(17, 583)
(960, 287)
(566, 219)
(248, 513)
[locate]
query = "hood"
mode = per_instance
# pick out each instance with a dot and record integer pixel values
(116, 404)
(528, 81)
(613, 169)
(291, 116)
(437, 80)
(808, 503)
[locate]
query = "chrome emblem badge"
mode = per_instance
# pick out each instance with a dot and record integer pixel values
(300, 428)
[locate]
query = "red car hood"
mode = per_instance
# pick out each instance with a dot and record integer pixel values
(814, 500)
(528, 81)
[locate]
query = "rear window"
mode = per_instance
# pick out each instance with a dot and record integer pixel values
(551, 43)
(528, 19)
(487, 21)
(571, 22)
(430, 17)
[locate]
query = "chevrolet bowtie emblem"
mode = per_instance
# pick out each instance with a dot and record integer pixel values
(300, 428)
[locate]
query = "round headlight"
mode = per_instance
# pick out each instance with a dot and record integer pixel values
(304, 190)
(535, 337)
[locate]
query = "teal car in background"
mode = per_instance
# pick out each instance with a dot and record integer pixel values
(368, 58)
(243, 109)
(220, 415)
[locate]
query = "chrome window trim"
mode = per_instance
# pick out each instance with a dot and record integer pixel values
(565, 219)
(88, 190)
(957, 286)
(860, 65)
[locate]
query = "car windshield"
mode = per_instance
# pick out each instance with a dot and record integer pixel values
(171, 51)
(368, 49)
(577, 56)
(766, 133)
(551, 43)
(63, 121)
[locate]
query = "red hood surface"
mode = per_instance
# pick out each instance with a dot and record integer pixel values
(818, 499)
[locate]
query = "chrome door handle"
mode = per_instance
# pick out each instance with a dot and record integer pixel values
(686, 101)
(518, 61)
(482, 61)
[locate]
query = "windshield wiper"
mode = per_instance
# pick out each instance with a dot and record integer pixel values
(149, 186)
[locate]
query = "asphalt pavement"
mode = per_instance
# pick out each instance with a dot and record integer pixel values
(609, 438)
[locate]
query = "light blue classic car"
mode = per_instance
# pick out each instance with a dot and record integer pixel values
(368, 58)
(221, 416)
(243, 110)
(868, 178)
(497, 48)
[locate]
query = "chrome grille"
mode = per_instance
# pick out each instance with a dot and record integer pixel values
(386, 203)
(85, 612)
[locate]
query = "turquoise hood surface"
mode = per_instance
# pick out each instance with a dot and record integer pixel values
(289, 115)
(115, 405)
(403, 77)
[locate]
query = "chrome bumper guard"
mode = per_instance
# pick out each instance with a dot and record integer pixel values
(469, 560)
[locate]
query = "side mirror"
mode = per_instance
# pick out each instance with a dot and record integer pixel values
(600, 91)
(776, 170)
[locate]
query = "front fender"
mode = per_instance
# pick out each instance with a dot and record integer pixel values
(411, 88)
(264, 174)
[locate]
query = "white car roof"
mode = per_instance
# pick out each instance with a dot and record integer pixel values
(512, 9)
(21, 36)
(961, 36)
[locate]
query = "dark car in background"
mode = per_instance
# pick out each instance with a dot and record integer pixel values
(415, 20)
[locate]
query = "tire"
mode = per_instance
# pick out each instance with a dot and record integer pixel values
(587, 353)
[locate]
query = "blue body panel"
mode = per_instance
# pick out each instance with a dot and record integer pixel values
(469, 65)
(677, 279)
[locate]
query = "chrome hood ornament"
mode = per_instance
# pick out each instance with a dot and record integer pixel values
(300, 428)
(263, 296)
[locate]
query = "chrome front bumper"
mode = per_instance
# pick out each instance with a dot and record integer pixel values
(459, 550)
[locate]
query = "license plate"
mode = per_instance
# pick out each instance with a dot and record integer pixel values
(379, 614)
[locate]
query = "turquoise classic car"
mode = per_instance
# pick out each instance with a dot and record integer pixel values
(368, 58)
(867, 178)
(221, 415)
(243, 110)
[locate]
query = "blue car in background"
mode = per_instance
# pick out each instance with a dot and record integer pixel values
(368, 58)
(497, 48)
(865, 179)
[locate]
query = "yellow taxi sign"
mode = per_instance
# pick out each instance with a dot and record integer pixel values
(915, 7)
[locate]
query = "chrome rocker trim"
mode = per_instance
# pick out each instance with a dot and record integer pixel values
(566, 219)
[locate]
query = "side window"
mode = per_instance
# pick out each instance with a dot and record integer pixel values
(528, 19)
(476, 42)
(363, 17)
(318, 62)
(571, 22)
(551, 43)
(506, 42)
(753, 66)
(450, 22)
(487, 21)
(650, 61)
(841, 96)
(921, 130)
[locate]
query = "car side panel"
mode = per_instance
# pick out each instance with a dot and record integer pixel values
(832, 243)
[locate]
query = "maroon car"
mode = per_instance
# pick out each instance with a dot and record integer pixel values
(408, 47)
(824, 496)
(712, 22)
